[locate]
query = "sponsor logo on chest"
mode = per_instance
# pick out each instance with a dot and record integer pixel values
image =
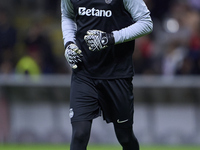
(83, 11)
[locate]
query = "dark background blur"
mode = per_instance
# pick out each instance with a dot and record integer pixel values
(30, 32)
(166, 85)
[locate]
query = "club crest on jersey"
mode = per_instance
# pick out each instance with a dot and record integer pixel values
(108, 1)
(71, 113)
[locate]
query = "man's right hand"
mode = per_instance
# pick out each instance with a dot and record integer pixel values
(73, 55)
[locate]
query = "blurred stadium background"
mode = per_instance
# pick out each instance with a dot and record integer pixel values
(35, 78)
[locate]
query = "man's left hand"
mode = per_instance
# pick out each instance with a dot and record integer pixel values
(97, 40)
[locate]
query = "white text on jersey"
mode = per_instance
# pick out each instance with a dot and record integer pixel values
(94, 12)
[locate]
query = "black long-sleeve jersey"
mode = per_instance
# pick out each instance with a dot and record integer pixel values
(126, 19)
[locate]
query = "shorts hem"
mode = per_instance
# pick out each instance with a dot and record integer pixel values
(86, 119)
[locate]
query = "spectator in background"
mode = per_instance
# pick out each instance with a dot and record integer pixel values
(186, 68)
(194, 42)
(7, 42)
(142, 58)
(39, 48)
(173, 58)
(28, 66)
(172, 38)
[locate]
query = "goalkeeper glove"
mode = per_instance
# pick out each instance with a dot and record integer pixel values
(97, 40)
(73, 55)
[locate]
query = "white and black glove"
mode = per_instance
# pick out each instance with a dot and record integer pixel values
(73, 55)
(97, 40)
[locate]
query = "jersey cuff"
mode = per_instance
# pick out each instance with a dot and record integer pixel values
(70, 42)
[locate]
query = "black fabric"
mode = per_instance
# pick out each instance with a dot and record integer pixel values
(114, 98)
(80, 135)
(126, 138)
(70, 42)
(111, 39)
(113, 61)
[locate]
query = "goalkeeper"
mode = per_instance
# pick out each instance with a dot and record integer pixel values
(99, 42)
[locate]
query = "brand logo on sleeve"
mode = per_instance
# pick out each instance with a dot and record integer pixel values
(83, 11)
(108, 1)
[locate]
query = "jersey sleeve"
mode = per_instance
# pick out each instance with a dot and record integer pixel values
(67, 21)
(143, 23)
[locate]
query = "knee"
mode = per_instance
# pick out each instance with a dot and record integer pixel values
(125, 139)
(126, 136)
(80, 136)
(128, 141)
(81, 131)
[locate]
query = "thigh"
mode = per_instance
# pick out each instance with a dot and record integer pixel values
(117, 101)
(83, 99)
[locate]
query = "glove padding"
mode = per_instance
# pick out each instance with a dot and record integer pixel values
(97, 40)
(73, 55)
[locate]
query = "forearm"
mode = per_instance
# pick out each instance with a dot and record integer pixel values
(67, 23)
(141, 16)
(68, 30)
(134, 31)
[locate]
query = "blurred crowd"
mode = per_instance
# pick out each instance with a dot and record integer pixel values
(174, 46)
(31, 39)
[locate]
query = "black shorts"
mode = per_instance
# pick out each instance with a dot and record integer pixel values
(113, 97)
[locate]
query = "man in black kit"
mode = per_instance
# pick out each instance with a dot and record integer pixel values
(99, 42)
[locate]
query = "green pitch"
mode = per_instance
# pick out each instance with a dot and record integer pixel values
(90, 147)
